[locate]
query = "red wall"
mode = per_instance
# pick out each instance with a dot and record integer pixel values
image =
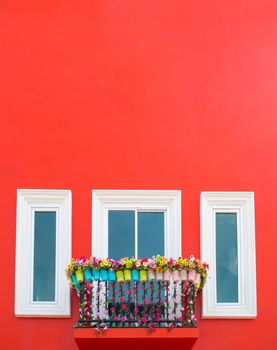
(139, 95)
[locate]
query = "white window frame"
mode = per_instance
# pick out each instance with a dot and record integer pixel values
(167, 201)
(28, 202)
(241, 203)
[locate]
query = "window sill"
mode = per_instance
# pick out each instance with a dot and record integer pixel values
(87, 338)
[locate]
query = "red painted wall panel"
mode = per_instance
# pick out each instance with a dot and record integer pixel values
(139, 95)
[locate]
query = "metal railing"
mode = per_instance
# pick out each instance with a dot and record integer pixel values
(152, 304)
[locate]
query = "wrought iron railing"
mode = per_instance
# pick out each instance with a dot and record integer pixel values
(159, 299)
(151, 304)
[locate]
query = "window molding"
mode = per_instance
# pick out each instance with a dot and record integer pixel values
(166, 200)
(243, 204)
(29, 201)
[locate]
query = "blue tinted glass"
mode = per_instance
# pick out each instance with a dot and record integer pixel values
(150, 242)
(121, 231)
(226, 258)
(44, 256)
(150, 233)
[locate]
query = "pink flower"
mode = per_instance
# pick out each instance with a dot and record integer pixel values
(124, 319)
(121, 299)
(135, 310)
(115, 318)
(129, 292)
(171, 326)
(112, 309)
(134, 288)
(123, 306)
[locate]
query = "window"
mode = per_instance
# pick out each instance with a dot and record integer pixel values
(129, 232)
(136, 223)
(43, 249)
(228, 244)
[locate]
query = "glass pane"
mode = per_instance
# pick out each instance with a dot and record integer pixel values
(121, 231)
(226, 258)
(44, 256)
(150, 233)
(150, 242)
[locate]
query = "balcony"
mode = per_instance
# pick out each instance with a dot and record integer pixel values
(122, 301)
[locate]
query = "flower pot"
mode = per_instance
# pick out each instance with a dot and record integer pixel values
(183, 275)
(104, 275)
(203, 281)
(167, 275)
(151, 274)
(127, 275)
(143, 276)
(112, 276)
(80, 276)
(197, 279)
(88, 275)
(159, 276)
(191, 275)
(75, 282)
(119, 276)
(96, 274)
(135, 275)
(176, 275)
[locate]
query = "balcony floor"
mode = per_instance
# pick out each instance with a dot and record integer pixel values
(135, 338)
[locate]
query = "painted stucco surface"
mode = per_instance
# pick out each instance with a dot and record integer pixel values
(139, 95)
